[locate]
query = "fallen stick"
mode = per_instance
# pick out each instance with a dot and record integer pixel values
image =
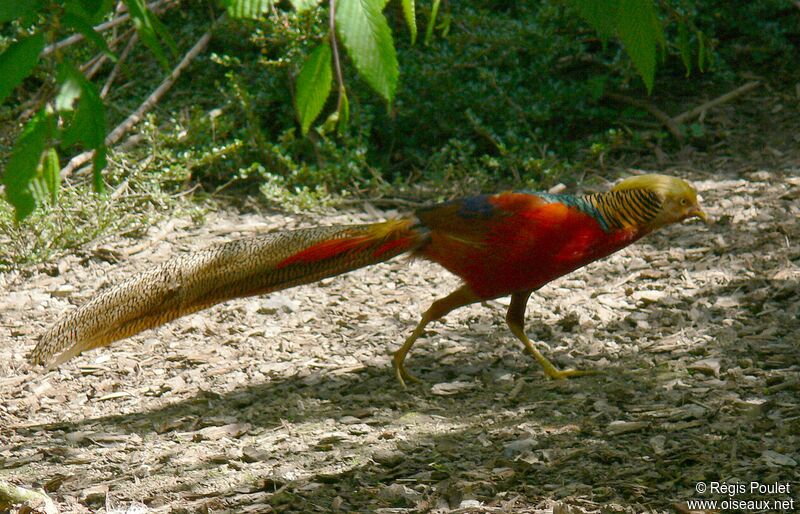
(657, 113)
(14, 495)
(124, 55)
(76, 162)
(120, 130)
(727, 97)
(91, 67)
(71, 40)
(156, 95)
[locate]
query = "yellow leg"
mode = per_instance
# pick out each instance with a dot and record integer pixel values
(400, 370)
(458, 298)
(515, 318)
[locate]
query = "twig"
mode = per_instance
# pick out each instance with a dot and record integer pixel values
(14, 494)
(120, 60)
(91, 67)
(337, 65)
(388, 202)
(76, 162)
(151, 241)
(135, 117)
(156, 95)
(727, 97)
(71, 40)
(657, 113)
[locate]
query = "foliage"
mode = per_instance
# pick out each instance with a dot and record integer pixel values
(78, 219)
(18, 61)
(77, 117)
(313, 85)
(495, 86)
(498, 92)
(637, 25)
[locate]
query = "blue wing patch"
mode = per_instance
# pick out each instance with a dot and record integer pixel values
(578, 202)
(476, 207)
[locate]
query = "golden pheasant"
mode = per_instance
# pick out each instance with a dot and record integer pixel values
(509, 243)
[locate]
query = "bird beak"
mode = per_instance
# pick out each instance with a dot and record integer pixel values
(698, 213)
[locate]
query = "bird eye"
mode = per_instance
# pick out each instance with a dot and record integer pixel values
(683, 201)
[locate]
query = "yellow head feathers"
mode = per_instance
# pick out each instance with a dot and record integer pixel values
(663, 184)
(678, 198)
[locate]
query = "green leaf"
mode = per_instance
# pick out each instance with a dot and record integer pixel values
(98, 163)
(11, 10)
(330, 124)
(431, 22)
(365, 33)
(87, 125)
(313, 85)
(249, 9)
(24, 160)
(411, 19)
(93, 7)
(18, 61)
(597, 86)
(600, 14)
(656, 25)
(701, 51)
(143, 21)
(163, 32)
(44, 186)
(51, 174)
(344, 113)
(685, 47)
(302, 6)
(83, 26)
(638, 27)
(444, 25)
(93, 11)
(68, 93)
(38, 188)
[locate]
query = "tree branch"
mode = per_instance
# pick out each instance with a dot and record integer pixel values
(14, 494)
(124, 55)
(657, 113)
(337, 64)
(91, 67)
(135, 117)
(727, 97)
(71, 40)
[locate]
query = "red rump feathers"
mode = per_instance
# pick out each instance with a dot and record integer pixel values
(379, 239)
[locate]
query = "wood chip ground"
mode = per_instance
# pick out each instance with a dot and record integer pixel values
(287, 403)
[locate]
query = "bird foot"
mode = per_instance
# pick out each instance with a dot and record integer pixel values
(556, 374)
(547, 366)
(402, 373)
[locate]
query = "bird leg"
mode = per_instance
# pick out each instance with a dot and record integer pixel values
(458, 298)
(515, 318)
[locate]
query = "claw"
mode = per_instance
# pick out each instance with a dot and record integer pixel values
(556, 374)
(553, 372)
(401, 372)
(547, 366)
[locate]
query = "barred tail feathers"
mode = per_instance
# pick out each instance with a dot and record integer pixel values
(240, 268)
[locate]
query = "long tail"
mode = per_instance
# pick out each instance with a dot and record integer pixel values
(236, 269)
